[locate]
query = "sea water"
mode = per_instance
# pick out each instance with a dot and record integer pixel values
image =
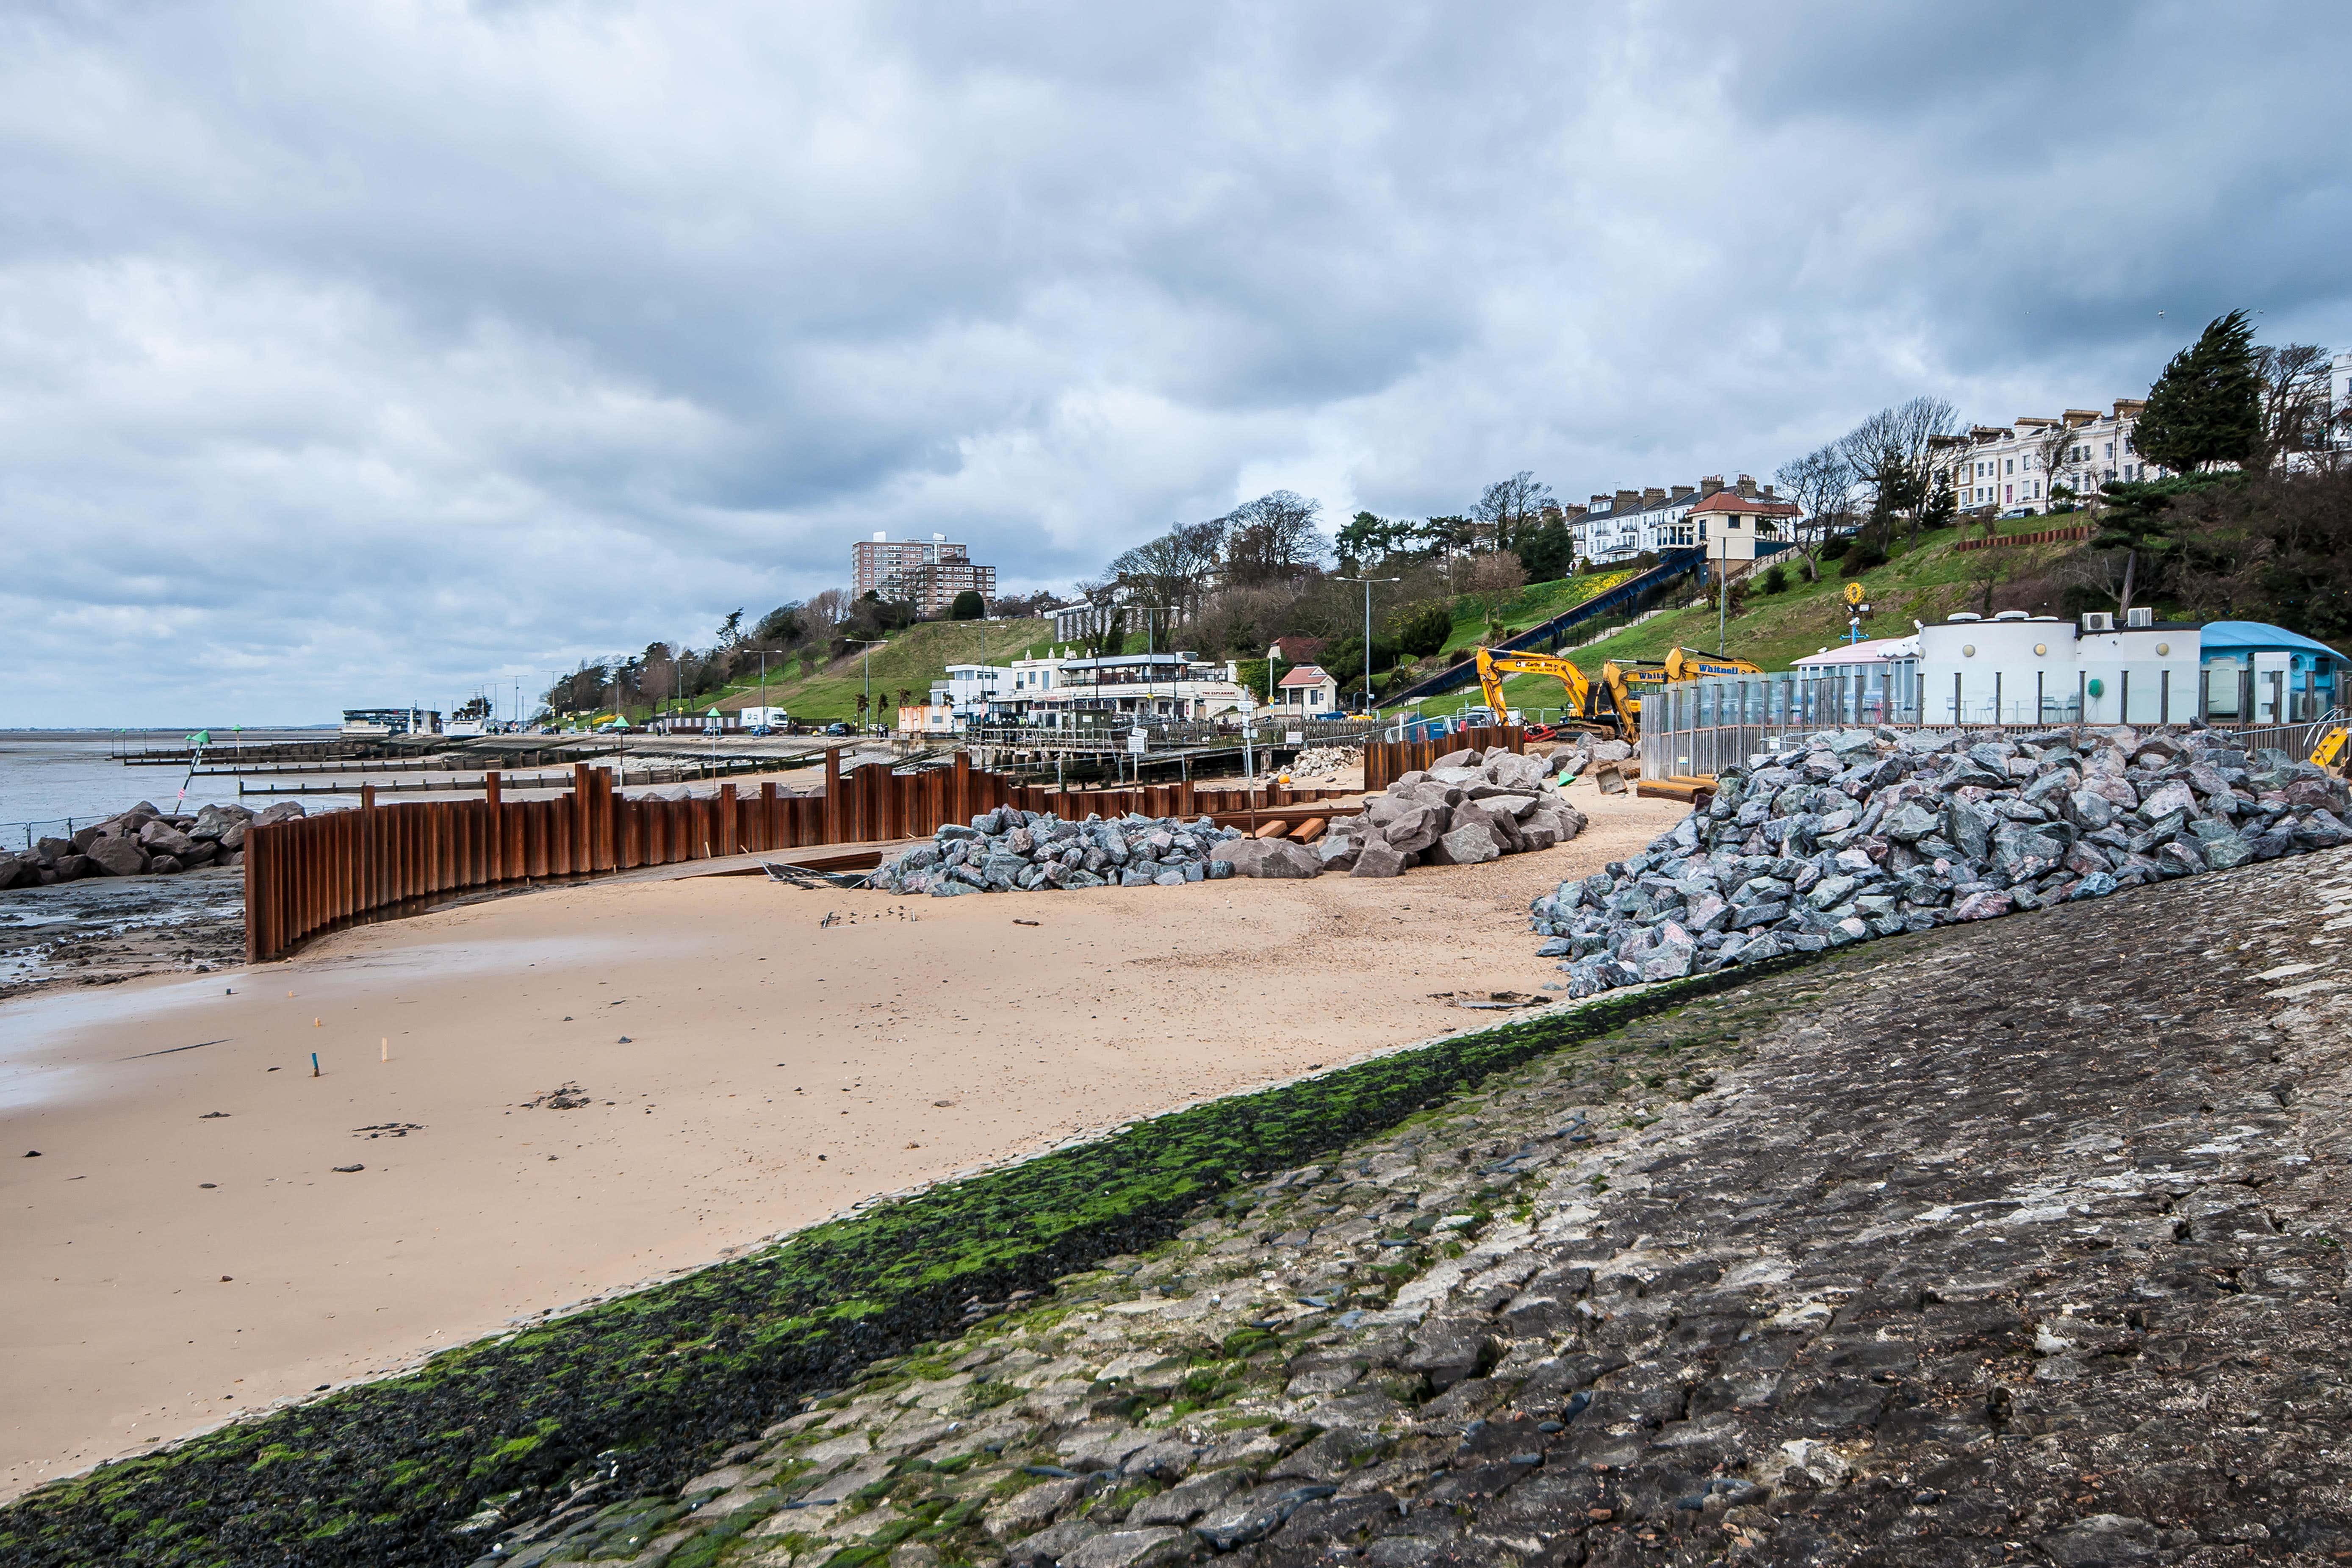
(51, 778)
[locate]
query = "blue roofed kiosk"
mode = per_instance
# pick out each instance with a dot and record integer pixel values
(2255, 673)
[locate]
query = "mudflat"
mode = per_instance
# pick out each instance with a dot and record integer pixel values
(593, 1087)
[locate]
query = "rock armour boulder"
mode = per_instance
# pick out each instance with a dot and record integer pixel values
(1464, 809)
(117, 856)
(1855, 834)
(1009, 851)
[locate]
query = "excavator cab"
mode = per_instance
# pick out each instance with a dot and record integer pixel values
(1627, 681)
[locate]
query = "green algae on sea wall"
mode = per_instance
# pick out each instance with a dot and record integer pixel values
(648, 1389)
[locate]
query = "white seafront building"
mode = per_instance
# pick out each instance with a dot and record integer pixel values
(2013, 669)
(2017, 668)
(1064, 692)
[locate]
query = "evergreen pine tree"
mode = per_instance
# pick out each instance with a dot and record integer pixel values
(2207, 405)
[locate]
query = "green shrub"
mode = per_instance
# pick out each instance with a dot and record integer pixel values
(1422, 629)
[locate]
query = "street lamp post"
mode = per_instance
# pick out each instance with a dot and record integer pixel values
(865, 661)
(1722, 587)
(1368, 582)
(1150, 651)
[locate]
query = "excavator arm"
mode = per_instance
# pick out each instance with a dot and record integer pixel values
(1689, 664)
(1582, 700)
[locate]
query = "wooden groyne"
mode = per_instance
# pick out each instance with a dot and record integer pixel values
(316, 873)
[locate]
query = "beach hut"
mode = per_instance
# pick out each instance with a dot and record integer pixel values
(2256, 673)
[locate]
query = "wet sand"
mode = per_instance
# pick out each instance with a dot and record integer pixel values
(100, 930)
(597, 1086)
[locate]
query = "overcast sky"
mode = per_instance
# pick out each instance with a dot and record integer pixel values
(362, 353)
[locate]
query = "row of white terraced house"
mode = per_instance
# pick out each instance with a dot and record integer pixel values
(1615, 529)
(2011, 467)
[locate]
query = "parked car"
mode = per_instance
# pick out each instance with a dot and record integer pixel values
(838, 728)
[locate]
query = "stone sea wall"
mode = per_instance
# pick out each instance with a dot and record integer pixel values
(1886, 1258)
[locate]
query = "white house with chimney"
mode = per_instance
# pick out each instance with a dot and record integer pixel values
(2001, 466)
(1613, 529)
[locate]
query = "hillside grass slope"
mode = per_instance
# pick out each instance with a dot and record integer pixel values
(1923, 583)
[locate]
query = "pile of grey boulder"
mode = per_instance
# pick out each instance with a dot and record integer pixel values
(1008, 849)
(142, 841)
(1603, 760)
(1466, 809)
(1859, 833)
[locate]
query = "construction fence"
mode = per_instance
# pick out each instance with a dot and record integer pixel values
(1704, 752)
(315, 873)
(1385, 762)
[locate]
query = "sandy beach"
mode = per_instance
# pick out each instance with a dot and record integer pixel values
(593, 1087)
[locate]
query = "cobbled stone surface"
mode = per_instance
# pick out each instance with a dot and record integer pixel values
(2006, 1242)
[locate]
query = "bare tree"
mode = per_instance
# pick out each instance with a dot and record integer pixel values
(829, 609)
(1987, 570)
(1888, 453)
(2295, 395)
(2050, 450)
(1174, 570)
(1818, 483)
(2106, 573)
(1273, 539)
(1491, 579)
(1509, 508)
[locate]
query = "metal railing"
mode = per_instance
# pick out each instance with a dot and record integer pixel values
(1701, 727)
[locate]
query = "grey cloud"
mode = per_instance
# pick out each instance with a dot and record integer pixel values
(372, 353)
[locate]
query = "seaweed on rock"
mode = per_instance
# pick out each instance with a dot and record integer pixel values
(638, 1392)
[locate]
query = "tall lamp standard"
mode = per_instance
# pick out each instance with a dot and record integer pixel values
(865, 660)
(1368, 582)
(1150, 651)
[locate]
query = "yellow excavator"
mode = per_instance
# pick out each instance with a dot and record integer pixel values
(1689, 664)
(1613, 704)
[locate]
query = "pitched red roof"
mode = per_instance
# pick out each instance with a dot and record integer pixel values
(1732, 501)
(1304, 675)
